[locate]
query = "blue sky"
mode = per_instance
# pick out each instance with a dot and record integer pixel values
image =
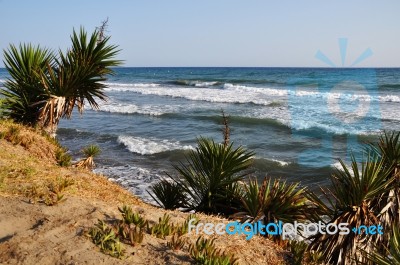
(215, 32)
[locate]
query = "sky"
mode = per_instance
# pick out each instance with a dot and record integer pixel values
(163, 33)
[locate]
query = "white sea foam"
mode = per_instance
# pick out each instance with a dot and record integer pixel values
(232, 93)
(135, 179)
(128, 86)
(280, 162)
(145, 146)
(153, 110)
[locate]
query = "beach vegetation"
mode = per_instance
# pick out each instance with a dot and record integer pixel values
(184, 228)
(1, 107)
(50, 193)
(104, 237)
(12, 134)
(391, 255)
(209, 179)
(130, 234)
(168, 194)
(211, 174)
(47, 86)
(63, 157)
(301, 255)
(351, 200)
(176, 242)
(388, 151)
(90, 152)
(204, 252)
(273, 201)
(163, 228)
(129, 217)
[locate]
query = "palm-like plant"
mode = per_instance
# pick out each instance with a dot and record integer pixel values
(24, 63)
(388, 149)
(45, 88)
(168, 194)
(274, 201)
(353, 191)
(210, 176)
(90, 152)
(78, 77)
(393, 252)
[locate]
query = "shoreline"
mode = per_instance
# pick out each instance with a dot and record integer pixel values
(39, 234)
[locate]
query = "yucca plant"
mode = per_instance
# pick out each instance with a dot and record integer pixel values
(391, 256)
(388, 150)
(354, 192)
(168, 194)
(24, 90)
(210, 175)
(90, 152)
(274, 201)
(78, 77)
(45, 88)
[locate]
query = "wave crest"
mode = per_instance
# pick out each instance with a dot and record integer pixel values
(146, 146)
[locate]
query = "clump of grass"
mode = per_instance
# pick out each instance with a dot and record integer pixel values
(55, 195)
(34, 192)
(130, 233)
(204, 252)
(163, 228)
(176, 242)
(1, 108)
(62, 157)
(12, 134)
(90, 152)
(50, 194)
(129, 217)
(184, 228)
(104, 237)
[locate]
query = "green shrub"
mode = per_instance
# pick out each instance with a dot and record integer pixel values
(169, 195)
(104, 237)
(391, 255)
(90, 152)
(163, 228)
(1, 108)
(274, 201)
(43, 85)
(129, 217)
(62, 157)
(210, 175)
(354, 192)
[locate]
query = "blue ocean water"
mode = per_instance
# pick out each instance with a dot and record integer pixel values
(298, 121)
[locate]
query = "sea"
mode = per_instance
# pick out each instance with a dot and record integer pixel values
(297, 121)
